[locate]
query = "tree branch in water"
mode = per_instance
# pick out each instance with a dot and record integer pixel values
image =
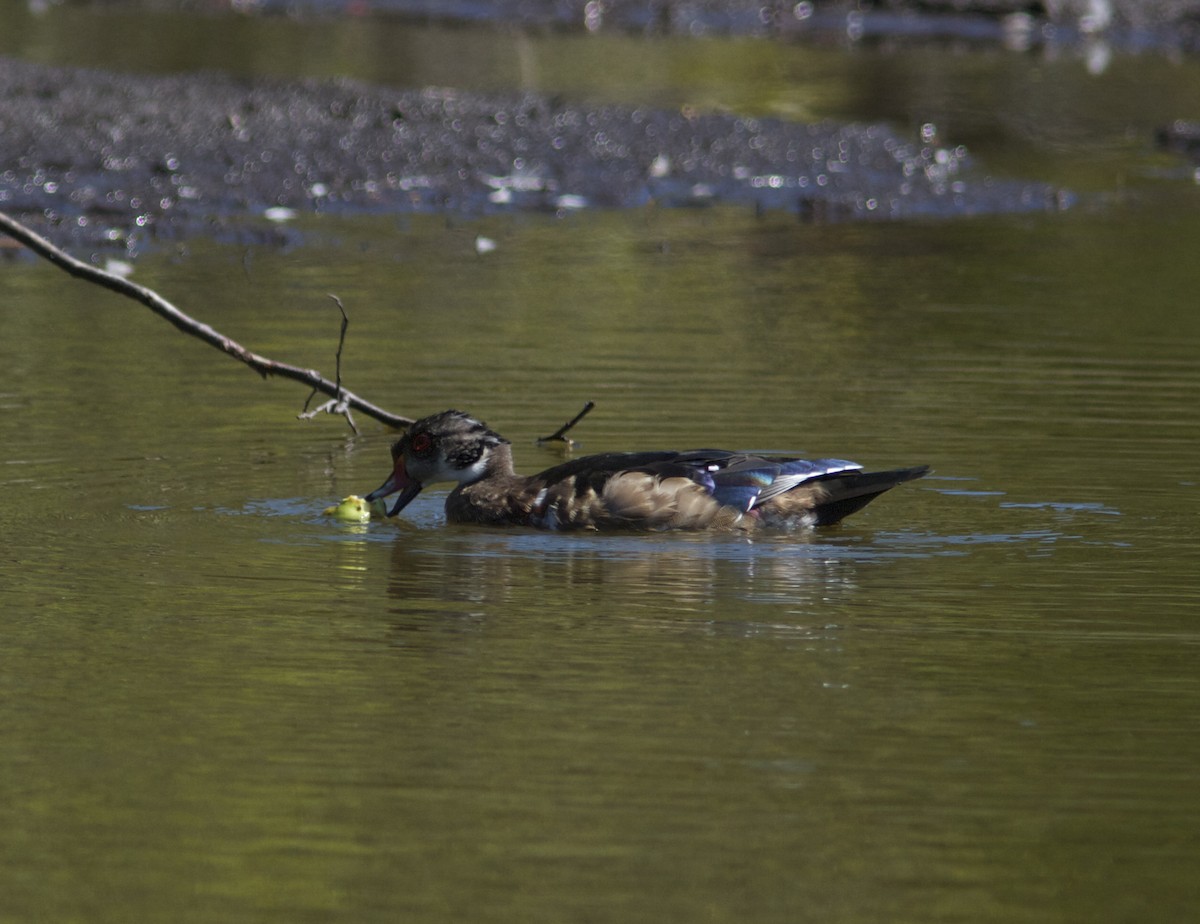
(342, 400)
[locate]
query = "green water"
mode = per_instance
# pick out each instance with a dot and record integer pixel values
(975, 701)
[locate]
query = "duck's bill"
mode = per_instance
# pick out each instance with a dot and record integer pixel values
(398, 481)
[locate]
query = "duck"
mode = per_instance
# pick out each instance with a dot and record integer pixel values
(699, 489)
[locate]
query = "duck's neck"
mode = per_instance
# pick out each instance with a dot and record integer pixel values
(499, 465)
(499, 496)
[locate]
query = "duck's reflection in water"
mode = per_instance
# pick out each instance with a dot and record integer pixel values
(461, 580)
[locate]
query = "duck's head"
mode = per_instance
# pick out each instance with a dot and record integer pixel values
(450, 446)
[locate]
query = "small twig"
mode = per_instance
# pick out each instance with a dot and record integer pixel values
(336, 405)
(341, 341)
(559, 435)
(164, 309)
(332, 406)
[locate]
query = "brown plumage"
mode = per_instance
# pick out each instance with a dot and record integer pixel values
(702, 489)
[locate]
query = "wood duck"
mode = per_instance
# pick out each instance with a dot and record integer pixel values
(701, 489)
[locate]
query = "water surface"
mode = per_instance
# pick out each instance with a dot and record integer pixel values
(975, 701)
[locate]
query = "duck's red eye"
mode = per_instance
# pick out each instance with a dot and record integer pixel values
(421, 443)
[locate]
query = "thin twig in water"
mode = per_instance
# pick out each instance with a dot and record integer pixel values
(164, 309)
(560, 435)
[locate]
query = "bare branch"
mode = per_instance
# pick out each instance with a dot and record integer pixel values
(343, 400)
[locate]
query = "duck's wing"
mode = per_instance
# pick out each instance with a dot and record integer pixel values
(747, 481)
(788, 492)
(704, 489)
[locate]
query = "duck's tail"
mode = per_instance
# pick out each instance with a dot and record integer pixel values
(846, 493)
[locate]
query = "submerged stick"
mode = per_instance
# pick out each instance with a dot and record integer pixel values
(263, 365)
(560, 435)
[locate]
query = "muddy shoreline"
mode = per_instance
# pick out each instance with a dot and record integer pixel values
(94, 158)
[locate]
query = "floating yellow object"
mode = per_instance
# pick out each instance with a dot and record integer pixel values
(356, 510)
